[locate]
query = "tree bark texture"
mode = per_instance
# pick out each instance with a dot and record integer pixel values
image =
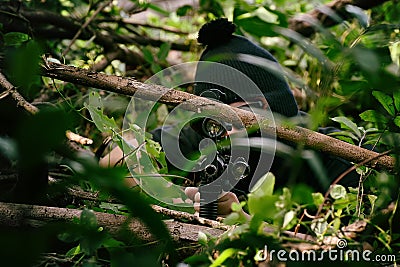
(18, 215)
(190, 102)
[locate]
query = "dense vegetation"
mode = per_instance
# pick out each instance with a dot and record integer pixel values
(342, 63)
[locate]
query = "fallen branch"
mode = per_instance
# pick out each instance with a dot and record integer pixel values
(306, 137)
(22, 215)
(18, 215)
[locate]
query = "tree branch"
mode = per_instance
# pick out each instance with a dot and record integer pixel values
(87, 22)
(17, 215)
(301, 25)
(128, 86)
(11, 89)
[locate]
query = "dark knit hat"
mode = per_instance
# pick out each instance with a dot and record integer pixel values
(244, 56)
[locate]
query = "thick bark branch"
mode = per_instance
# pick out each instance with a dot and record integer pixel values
(127, 86)
(17, 215)
(21, 215)
(300, 24)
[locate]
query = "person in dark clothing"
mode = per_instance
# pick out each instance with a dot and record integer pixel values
(272, 92)
(234, 70)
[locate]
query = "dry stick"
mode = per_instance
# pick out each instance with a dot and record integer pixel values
(87, 22)
(306, 137)
(11, 89)
(352, 168)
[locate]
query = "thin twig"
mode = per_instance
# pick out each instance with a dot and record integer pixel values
(352, 168)
(87, 22)
(122, 21)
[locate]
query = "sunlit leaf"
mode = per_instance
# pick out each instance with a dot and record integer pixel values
(372, 199)
(318, 199)
(15, 38)
(261, 199)
(350, 125)
(202, 238)
(319, 226)
(265, 185)
(373, 116)
(227, 253)
(289, 219)
(338, 191)
(73, 251)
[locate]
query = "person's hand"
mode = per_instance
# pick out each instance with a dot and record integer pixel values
(224, 202)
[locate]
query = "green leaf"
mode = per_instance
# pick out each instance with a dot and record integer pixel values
(265, 185)
(236, 207)
(372, 199)
(183, 10)
(305, 44)
(289, 220)
(318, 199)
(96, 110)
(386, 101)
(396, 96)
(255, 25)
(227, 253)
(373, 116)
(88, 219)
(73, 252)
(163, 52)
(24, 68)
(15, 38)
(158, 9)
(148, 55)
(261, 200)
(319, 226)
(397, 121)
(202, 238)
(112, 243)
(338, 191)
(349, 124)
